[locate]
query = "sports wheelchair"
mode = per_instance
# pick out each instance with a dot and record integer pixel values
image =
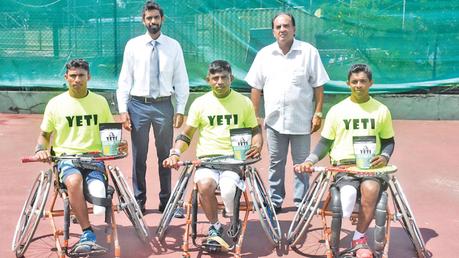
(331, 220)
(34, 208)
(258, 201)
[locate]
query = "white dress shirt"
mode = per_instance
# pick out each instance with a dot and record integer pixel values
(135, 73)
(287, 82)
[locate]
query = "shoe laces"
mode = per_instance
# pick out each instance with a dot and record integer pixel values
(88, 235)
(213, 231)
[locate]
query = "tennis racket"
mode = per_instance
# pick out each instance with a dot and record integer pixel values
(220, 162)
(389, 169)
(91, 156)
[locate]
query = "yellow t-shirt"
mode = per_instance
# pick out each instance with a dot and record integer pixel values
(74, 123)
(347, 119)
(214, 117)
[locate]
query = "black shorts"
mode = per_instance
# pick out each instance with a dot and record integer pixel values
(342, 179)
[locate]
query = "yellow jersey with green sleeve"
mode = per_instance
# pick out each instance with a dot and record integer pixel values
(214, 117)
(74, 122)
(348, 119)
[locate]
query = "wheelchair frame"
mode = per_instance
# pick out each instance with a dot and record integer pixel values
(309, 207)
(259, 202)
(34, 209)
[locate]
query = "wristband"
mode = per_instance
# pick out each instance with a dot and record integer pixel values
(174, 152)
(312, 158)
(385, 155)
(318, 114)
(183, 137)
(40, 147)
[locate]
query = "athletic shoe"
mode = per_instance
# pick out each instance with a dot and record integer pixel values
(213, 232)
(179, 213)
(88, 235)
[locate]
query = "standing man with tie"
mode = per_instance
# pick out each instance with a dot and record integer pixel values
(153, 70)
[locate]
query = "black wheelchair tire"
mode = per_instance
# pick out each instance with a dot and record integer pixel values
(308, 207)
(263, 206)
(128, 203)
(31, 213)
(173, 202)
(406, 218)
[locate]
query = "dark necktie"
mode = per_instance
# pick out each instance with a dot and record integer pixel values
(154, 70)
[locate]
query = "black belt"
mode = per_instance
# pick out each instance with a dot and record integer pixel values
(148, 100)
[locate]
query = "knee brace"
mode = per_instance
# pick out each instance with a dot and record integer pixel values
(380, 223)
(348, 195)
(228, 193)
(337, 215)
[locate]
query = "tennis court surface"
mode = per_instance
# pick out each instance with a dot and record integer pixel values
(426, 154)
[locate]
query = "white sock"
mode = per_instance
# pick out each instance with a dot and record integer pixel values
(358, 235)
(348, 196)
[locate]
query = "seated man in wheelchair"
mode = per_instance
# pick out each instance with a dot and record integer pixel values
(213, 115)
(72, 119)
(345, 124)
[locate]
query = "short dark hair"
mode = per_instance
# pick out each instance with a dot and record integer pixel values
(151, 5)
(357, 68)
(77, 63)
(219, 66)
(283, 13)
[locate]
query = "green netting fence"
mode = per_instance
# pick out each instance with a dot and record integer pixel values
(409, 44)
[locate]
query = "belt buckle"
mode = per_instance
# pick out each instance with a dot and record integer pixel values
(147, 100)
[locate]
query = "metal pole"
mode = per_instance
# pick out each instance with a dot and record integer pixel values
(115, 39)
(403, 15)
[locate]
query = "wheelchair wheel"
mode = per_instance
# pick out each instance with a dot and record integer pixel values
(174, 201)
(31, 213)
(264, 207)
(128, 203)
(405, 215)
(308, 207)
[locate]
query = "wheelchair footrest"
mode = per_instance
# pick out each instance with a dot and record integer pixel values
(234, 230)
(86, 249)
(352, 253)
(216, 244)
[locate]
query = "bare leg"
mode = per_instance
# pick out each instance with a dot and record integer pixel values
(74, 184)
(206, 188)
(369, 196)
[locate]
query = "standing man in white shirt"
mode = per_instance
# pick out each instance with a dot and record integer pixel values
(290, 74)
(153, 70)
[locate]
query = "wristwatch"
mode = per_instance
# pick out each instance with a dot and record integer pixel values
(318, 114)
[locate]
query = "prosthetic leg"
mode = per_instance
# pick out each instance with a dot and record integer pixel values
(380, 225)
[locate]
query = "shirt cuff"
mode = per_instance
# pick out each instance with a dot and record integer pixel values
(181, 109)
(122, 108)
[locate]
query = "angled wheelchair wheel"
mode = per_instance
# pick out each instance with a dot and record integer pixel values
(128, 204)
(264, 207)
(405, 215)
(308, 207)
(31, 213)
(174, 201)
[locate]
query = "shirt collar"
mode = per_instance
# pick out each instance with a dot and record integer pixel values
(295, 46)
(147, 39)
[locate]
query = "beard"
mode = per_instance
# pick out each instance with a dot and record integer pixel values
(153, 29)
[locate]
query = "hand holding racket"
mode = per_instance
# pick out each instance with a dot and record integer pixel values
(91, 156)
(307, 167)
(219, 162)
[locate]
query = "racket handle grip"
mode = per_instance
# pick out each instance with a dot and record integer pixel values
(29, 159)
(318, 169)
(188, 163)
